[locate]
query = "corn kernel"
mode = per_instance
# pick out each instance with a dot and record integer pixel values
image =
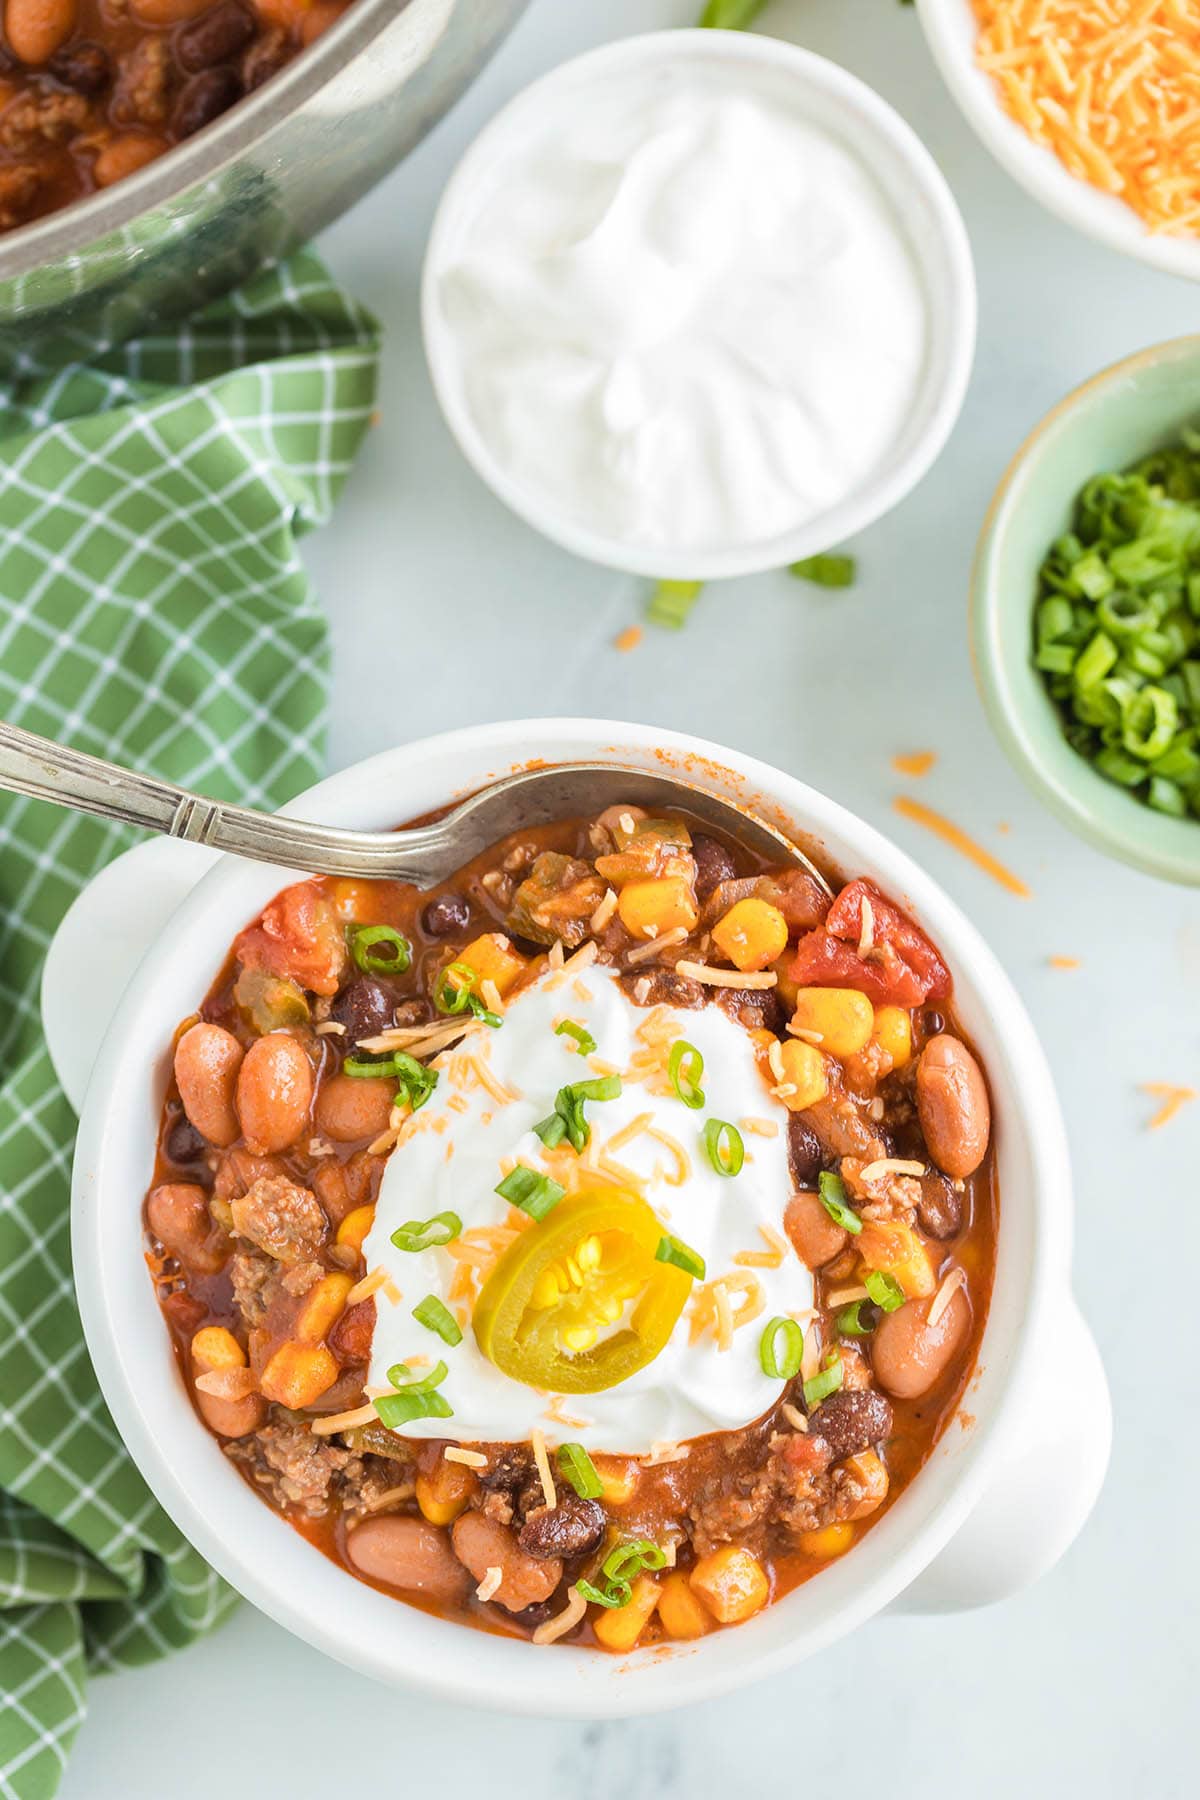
(867, 1468)
(355, 1226)
(751, 934)
(831, 1540)
(322, 1306)
(893, 1033)
(731, 1582)
(620, 1629)
(680, 1610)
(215, 1348)
(894, 1247)
(493, 958)
(445, 1492)
(803, 1073)
(618, 1477)
(354, 900)
(648, 909)
(298, 1374)
(843, 1017)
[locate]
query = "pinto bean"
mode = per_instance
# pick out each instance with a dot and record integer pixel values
(35, 29)
(483, 1544)
(940, 1208)
(816, 1238)
(214, 37)
(274, 1093)
(851, 1421)
(909, 1355)
(409, 1554)
(207, 1061)
(167, 12)
(177, 1213)
(349, 1108)
(952, 1105)
(124, 155)
(204, 98)
(571, 1528)
(231, 1418)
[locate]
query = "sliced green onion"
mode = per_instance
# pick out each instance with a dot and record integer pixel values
(454, 993)
(568, 1120)
(685, 1066)
(365, 945)
(583, 1040)
(418, 1403)
(731, 15)
(435, 1316)
(531, 1192)
(672, 1250)
(416, 1081)
(832, 1193)
(825, 571)
(427, 1234)
(580, 1471)
(852, 1321)
(672, 601)
(723, 1146)
(884, 1290)
(1149, 722)
(627, 1560)
(404, 1376)
(826, 1381)
(781, 1349)
(616, 1594)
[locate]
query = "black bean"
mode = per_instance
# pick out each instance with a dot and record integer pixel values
(83, 67)
(667, 988)
(805, 1155)
(755, 1009)
(415, 1011)
(445, 915)
(215, 37)
(537, 1614)
(714, 864)
(852, 1420)
(364, 1007)
(204, 98)
(184, 1144)
(940, 1208)
(933, 1021)
(571, 1528)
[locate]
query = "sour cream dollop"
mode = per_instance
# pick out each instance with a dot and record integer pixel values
(467, 1138)
(682, 314)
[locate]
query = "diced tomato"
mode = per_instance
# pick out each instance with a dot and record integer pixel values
(299, 935)
(906, 969)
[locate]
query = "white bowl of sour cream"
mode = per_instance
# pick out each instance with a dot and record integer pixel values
(699, 303)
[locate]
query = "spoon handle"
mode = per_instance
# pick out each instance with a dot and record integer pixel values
(48, 771)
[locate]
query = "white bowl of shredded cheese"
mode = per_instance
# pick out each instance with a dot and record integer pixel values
(1107, 90)
(697, 304)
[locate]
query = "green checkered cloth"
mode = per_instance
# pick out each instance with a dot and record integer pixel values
(153, 609)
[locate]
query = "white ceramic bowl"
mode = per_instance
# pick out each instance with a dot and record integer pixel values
(990, 1510)
(893, 154)
(951, 30)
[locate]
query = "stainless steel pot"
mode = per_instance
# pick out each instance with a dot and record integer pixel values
(284, 162)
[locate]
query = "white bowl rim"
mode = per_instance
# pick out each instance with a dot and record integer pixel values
(949, 27)
(952, 300)
(269, 1562)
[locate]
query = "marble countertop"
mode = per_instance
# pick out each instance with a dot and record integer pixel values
(1087, 1682)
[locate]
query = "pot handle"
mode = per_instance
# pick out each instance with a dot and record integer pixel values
(99, 943)
(1041, 1495)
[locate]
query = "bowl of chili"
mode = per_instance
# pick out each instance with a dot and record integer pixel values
(947, 1541)
(1085, 632)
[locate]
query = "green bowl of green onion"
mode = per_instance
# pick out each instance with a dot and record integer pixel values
(1085, 610)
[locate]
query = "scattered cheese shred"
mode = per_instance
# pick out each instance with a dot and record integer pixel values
(955, 1280)
(493, 1576)
(490, 1083)
(627, 1133)
(389, 1497)
(846, 1296)
(663, 1450)
(683, 1162)
(561, 1623)
(629, 639)
(604, 911)
(914, 762)
(1064, 962)
(537, 1444)
(766, 1128)
(330, 1028)
(770, 1258)
(643, 952)
(1112, 87)
(794, 1416)
(713, 1309)
(470, 1459)
(370, 1284)
(958, 840)
(346, 1421)
(731, 978)
(1172, 1098)
(866, 938)
(890, 1165)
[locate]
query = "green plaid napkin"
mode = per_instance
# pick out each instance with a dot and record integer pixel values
(153, 609)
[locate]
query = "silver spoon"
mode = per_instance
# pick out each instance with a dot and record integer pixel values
(423, 855)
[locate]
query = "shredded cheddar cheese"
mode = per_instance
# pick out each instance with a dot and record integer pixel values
(914, 763)
(629, 639)
(1172, 1098)
(1112, 87)
(537, 1444)
(958, 840)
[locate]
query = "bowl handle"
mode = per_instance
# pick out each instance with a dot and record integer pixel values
(99, 943)
(1041, 1494)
